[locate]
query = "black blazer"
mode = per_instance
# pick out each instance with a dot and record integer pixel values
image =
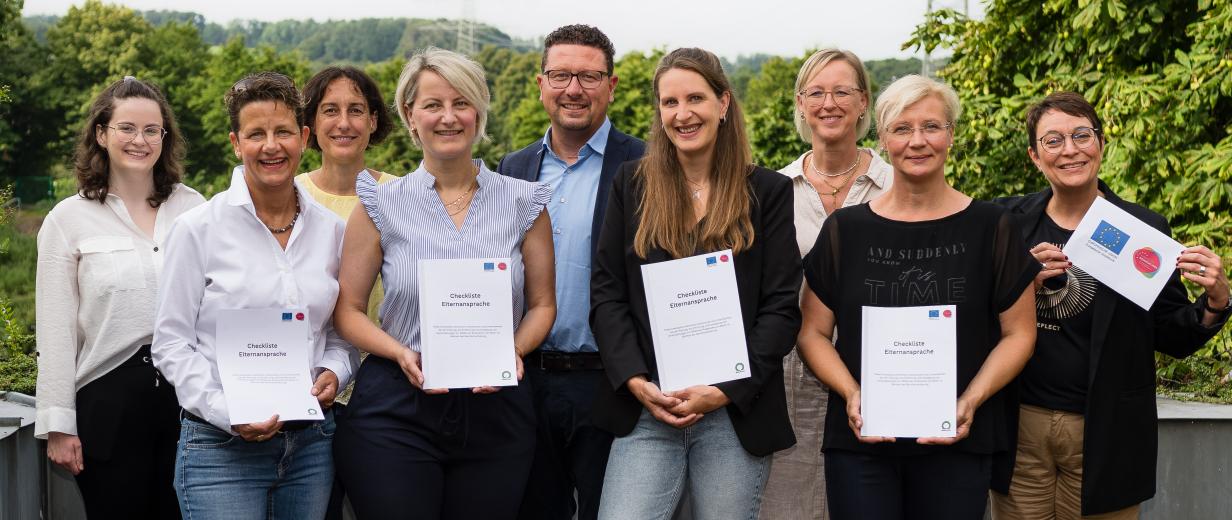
(525, 163)
(768, 279)
(1120, 439)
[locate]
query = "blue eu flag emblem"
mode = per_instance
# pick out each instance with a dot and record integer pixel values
(710, 260)
(488, 266)
(934, 313)
(286, 316)
(1110, 237)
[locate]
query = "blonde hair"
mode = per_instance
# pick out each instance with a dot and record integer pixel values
(907, 91)
(812, 66)
(462, 73)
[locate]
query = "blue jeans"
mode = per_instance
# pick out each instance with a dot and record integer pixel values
(649, 468)
(219, 476)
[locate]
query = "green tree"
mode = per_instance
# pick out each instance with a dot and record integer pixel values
(1159, 73)
(769, 114)
(634, 107)
(398, 154)
(27, 121)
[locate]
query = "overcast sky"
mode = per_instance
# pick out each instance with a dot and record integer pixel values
(872, 29)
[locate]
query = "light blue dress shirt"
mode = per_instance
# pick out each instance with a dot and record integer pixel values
(572, 209)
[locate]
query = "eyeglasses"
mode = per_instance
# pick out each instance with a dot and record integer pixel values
(930, 129)
(128, 133)
(1083, 137)
(562, 78)
(843, 96)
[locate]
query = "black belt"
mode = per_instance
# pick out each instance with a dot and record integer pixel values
(552, 361)
(287, 426)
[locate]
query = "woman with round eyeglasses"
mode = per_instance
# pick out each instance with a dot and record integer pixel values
(108, 416)
(832, 114)
(921, 243)
(1084, 417)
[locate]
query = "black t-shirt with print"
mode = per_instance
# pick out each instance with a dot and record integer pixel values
(973, 259)
(1057, 375)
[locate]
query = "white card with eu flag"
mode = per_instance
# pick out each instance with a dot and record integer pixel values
(466, 323)
(264, 359)
(1124, 253)
(695, 320)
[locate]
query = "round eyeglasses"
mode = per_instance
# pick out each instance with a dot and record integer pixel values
(1082, 137)
(562, 78)
(128, 133)
(843, 96)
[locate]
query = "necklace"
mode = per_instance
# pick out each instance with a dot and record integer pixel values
(813, 165)
(697, 188)
(287, 227)
(846, 174)
(455, 207)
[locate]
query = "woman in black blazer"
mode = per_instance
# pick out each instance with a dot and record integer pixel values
(695, 192)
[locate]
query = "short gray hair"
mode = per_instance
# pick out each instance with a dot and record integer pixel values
(812, 66)
(462, 73)
(907, 91)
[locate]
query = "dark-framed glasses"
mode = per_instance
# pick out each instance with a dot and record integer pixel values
(844, 96)
(562, 78)
(1082, 137)
(930, 129)
(127, 133)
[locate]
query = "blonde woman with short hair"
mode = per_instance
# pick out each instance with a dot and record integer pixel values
(922, 243)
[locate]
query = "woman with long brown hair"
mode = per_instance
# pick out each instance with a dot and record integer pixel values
(695, 192)
(108, 416)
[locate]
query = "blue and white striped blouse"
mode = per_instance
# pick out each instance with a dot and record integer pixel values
(414, 225)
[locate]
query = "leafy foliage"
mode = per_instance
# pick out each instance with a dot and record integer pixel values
(1159, 73)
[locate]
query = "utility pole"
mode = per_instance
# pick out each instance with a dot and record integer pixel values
(925, 66)
(466, 29)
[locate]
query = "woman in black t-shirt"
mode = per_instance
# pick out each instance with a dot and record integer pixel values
(1084, 415)
(922, 243)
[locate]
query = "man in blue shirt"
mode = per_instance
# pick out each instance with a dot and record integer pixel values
(578, 157)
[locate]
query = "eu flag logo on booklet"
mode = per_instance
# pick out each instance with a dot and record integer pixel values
(710, 260)
(1110, 237)
(488, 266)
(286, 316)
(934, 313)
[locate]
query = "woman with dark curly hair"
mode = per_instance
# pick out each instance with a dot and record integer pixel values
(99, 258)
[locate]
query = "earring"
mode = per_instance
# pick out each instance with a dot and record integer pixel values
(722, 120)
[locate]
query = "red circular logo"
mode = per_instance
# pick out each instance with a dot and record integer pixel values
(722, 258)
(1147, 262)
(299, 316)
(947, 313)
(501, 266)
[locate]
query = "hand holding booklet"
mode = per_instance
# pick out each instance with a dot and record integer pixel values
(695, 320)
(908, 371)
(264, 359)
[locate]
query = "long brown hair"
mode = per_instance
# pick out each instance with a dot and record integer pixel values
(90, 160)
(667, 220)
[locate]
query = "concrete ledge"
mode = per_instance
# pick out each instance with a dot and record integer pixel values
(1194, 472)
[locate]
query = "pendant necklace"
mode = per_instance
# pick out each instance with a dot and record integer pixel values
(455, 207)
(846, 174)
(697, 188)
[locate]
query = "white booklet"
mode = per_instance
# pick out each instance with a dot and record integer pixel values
(264, 359)
(908, 371)
(695, 320)
(466, 323)
(1122, 252)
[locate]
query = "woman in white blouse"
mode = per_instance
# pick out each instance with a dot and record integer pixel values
(832, 114)
(262, 244)
(100, 254)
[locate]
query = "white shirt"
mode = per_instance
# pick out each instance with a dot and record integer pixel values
(95, 293)
(811, 214)
(221, 256)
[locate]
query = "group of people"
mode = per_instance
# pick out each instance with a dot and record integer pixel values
(1055, 405)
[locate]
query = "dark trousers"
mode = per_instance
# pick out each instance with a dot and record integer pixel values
(401, 453)
(570, 452)
(947, 485)
(128, 422)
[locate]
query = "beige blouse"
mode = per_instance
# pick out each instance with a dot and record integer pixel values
(810, 214)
